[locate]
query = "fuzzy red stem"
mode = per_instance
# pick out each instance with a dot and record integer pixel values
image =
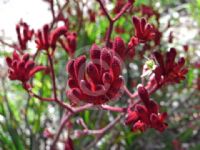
(65, 119)
(113, 109)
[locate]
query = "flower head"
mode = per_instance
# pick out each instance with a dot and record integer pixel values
(24, 34)
(168, 70)
(97, 81)
(69, 44)
(147, 115)
(22, 69)
(143, 30)
(46, 39)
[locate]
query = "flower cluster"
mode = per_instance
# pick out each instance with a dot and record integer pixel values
(149, 12)
(167, 70)
(147, 115)
(24, 34)
(69, 43)
(46, 39)
(22, 69)
(143, 30)
(97, 81)
(121, 50)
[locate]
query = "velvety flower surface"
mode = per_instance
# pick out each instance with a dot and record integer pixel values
(168, 70)
(143, 30)
(147, 115)
(24, 34)
(97, 81)
(22, 69)
(121, 50)
(46, 39)
(69, 43)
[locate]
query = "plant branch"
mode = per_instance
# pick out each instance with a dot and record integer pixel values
(113, 109)
(65, 119)
(123, 10)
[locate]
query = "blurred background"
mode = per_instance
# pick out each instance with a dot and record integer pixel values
(26, 122)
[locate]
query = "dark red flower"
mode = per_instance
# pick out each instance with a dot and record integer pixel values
(119, 29)
(168, 70)
(92, 15)
(143, 30)
(97, 81)
(118, 6)
(24, 34)
(22, 68)
(121, 50)
(149, 12)
(147, 115)
(70, 43)
(171, 37)
(46, 39)
(69, 144)
(186, 47)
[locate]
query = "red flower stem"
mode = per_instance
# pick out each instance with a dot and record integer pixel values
(63, 105)
(51, 3)
(123, 10)
(112, 21)
(102, 131)
(41, 98)
(52, 75)
(60, 12)
(108, 34)
(64, 121)
(104, 10)
(62, 125)
(113, 109)
(82, 123)
(132, 96)
(8, 44)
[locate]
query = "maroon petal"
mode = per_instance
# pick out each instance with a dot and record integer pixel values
(74, 95)
(116, 67)
(9, 61)
(35, 70)
(79, 66)
(143, 94)
(15, 55)
(143, 113)
(25, 57)
(29, 65)
(136, 22)
(119, 47)
(70, 68)
(132, 117)
(56, 34)
(153, 107)
(139, 125)
(69, 144)
(93, 73)
(159, 59)
(105, 60)
(72, 83)
(107, 78)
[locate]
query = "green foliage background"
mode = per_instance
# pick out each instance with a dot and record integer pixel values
(23, 119)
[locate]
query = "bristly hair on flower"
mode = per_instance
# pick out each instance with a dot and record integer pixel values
(143, 30)
(24, 34)
(168, 70)
(146, 115)
(21, 68)
(97, 81)
(46, 39)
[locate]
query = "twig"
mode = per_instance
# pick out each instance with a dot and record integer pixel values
(112, 21)
(65, 119)
(113, 109)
